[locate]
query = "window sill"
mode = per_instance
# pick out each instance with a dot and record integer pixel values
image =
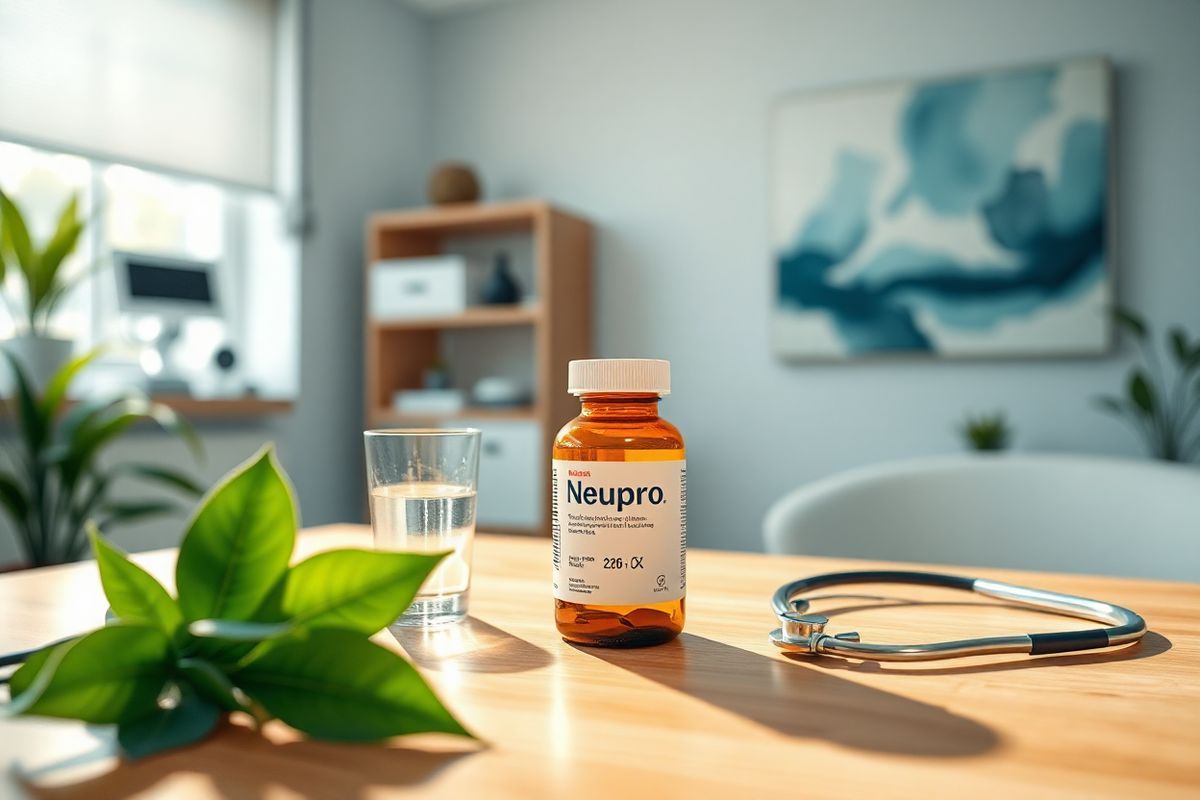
(196, 408)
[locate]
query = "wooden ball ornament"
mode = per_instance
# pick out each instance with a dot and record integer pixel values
(452, 182)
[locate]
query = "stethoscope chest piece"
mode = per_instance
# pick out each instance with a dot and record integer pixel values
(801, 633)
(804, 633)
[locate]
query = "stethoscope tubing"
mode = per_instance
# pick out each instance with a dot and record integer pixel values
(804, 633)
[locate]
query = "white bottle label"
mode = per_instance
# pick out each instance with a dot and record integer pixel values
(620, 531)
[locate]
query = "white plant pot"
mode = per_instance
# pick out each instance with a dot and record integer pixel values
(40, 356)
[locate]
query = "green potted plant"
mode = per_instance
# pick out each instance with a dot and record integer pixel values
(1161, 403)
(44, 285)
(52, 480)
(986, 432)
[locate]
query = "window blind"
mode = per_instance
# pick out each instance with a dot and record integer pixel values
(186, 86)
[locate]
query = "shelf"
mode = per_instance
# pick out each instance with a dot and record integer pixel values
(477, 317)
(388, 416)
(224, 407)
(216, 407)
(510, 215)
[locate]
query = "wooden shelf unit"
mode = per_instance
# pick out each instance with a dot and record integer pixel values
(397, 352)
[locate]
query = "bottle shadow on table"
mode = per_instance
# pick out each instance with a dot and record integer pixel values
(238, 762)
(798, 700)
(469, 646)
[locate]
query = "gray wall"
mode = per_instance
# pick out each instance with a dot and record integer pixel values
(368, 113)
(650, 118)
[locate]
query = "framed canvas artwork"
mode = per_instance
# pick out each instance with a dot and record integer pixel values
(961, 217)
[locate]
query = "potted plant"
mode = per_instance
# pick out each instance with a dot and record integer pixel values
(1161, 403)
(52, 481)
(987, 433)
(45, 285)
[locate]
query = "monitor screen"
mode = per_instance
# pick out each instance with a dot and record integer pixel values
(153, 281)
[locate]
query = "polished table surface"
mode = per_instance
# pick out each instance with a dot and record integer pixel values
(719, 712)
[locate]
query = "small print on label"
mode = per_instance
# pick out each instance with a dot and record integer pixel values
(620, 531)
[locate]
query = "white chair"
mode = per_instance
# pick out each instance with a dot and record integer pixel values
(1045, 512)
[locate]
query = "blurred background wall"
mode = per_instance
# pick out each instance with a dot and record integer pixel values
(652, 117)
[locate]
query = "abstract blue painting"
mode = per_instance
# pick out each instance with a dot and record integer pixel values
(960, 217)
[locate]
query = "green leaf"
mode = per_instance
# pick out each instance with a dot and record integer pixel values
(239, 543)
(1111, 404)
(335, 684)
(13, 498)
(215, 685)
(16, 238)
(1130, 321)
(133, 593)
(189, 720)
(113, 674)
(61, 244)
(359, 590)
(56, 389)
(34, 426)
(176, 424)
(92, 433)
(33, 668)
(1141, 392)
(156, 474)
(85, 413)
(233, 630)
(1179, 345)
(128, 512)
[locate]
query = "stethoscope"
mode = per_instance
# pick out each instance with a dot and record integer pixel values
(805, 633)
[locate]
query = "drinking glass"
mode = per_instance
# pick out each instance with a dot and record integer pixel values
(422, 484)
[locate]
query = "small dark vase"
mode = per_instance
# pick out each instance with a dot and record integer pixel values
(501, 287)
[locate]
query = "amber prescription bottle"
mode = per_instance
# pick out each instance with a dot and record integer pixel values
(619, 489)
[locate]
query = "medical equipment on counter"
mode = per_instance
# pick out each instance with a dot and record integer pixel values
(163, 294)
(805, 633)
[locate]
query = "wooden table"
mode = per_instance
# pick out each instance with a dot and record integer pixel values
(717, 713)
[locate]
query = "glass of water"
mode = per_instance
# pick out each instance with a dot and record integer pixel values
(422, 484)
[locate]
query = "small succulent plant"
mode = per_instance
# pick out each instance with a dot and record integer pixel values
(987, 432)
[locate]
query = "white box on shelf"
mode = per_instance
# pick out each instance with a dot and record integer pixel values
(429, 401)
(510, 480)
(404, 288)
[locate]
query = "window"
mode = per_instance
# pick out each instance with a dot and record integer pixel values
(241, 231)
(177, 124)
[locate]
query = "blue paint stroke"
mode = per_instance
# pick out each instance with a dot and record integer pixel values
(960, 137)
(960, 165)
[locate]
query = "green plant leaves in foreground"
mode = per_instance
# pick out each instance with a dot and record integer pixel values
(247, 634)
(338, 685)
(239, 544)
(186, 718)
(113, 674)
(132, 592)
(359, 590)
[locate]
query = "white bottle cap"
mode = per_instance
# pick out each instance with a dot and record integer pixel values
(649, 375)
